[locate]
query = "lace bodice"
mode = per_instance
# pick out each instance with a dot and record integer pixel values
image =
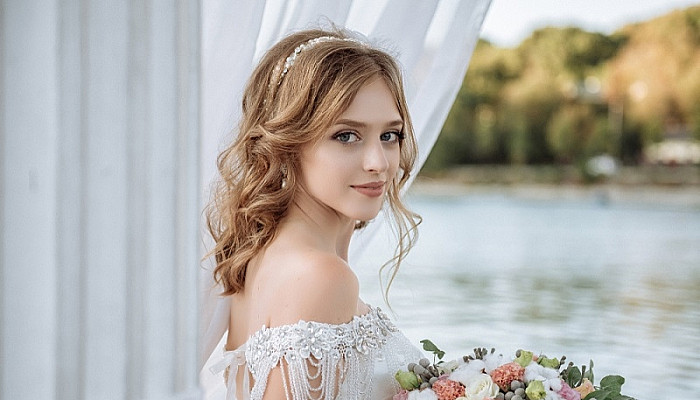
(354, 360)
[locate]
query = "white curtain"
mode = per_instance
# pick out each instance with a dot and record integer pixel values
(432, 39)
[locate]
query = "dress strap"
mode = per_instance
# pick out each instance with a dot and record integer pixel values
(231, 360)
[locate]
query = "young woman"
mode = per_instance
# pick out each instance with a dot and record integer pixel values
(325, 142)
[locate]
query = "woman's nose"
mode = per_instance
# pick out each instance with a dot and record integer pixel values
(375, 159)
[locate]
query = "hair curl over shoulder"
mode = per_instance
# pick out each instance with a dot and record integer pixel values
(282, 112)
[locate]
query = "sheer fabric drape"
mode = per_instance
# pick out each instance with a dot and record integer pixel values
(433, 41)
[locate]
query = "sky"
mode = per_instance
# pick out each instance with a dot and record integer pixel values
(508, 22)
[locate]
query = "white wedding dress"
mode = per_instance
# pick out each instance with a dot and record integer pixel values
(354, 360)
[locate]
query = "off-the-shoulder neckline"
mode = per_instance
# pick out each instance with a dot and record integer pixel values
(355, 318)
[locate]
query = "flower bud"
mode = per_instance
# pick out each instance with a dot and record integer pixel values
(548, 362)
(524, 359)
(535, 390)
(407, 380)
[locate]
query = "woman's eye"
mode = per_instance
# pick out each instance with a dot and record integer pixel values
(391, 136)
(346, 137)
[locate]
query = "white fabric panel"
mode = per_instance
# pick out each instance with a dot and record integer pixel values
(310, 14)
(28, 143)
(436, 93)
(433, 75)
(229, 32)
(187, 197)
(106, 201)
(70, 201)
(402, 31)
(100, 205)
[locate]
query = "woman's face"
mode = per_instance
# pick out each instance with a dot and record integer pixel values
(350, 168)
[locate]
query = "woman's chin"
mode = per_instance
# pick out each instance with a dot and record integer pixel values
(367, 216)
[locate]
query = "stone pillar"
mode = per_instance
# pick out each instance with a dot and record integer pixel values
(99, 198)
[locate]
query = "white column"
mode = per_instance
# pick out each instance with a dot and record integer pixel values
(100, 203)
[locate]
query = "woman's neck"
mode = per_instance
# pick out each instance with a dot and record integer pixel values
(318, 226)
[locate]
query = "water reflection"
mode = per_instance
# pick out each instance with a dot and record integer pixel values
(616, 284)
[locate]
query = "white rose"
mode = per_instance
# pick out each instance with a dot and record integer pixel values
(480, 387)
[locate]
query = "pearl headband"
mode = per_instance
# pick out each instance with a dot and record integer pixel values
(289, 61)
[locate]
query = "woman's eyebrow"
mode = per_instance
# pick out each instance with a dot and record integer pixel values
(359, 124)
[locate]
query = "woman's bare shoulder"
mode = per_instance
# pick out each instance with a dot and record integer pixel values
(310, 285)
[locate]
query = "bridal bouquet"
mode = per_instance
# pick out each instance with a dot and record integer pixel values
(486, 375)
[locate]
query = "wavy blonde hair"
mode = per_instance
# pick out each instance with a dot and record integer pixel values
(282, 112)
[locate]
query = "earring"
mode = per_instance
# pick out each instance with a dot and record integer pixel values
(283, 169)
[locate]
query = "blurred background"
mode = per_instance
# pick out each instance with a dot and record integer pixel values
(592, 98)
(561, 201)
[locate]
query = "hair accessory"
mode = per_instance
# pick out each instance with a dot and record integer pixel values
(289, 61)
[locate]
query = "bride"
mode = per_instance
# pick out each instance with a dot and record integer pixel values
(324, 143)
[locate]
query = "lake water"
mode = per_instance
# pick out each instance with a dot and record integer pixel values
(613, 281)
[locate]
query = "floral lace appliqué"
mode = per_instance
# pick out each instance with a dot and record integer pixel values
(304, 339)
(327, 361)
(322, 361)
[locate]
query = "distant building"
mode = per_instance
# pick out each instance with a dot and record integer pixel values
(677, 148)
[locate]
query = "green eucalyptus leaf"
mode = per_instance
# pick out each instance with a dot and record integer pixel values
(431, 347)
(600, 394)
(612, 380)
(612, 383)
(589, 372)
(573, 376)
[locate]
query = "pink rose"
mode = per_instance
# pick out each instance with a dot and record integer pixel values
(402, 395)
(567, 393)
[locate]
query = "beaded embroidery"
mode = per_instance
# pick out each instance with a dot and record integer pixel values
(339, 358)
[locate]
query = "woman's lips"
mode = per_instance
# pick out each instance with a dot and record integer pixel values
(371, 189)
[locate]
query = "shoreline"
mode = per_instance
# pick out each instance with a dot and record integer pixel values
(646, 185)
(684, 196)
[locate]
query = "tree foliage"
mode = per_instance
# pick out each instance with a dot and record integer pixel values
(565, 94)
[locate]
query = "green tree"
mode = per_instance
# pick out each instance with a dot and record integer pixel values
(565, 94)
